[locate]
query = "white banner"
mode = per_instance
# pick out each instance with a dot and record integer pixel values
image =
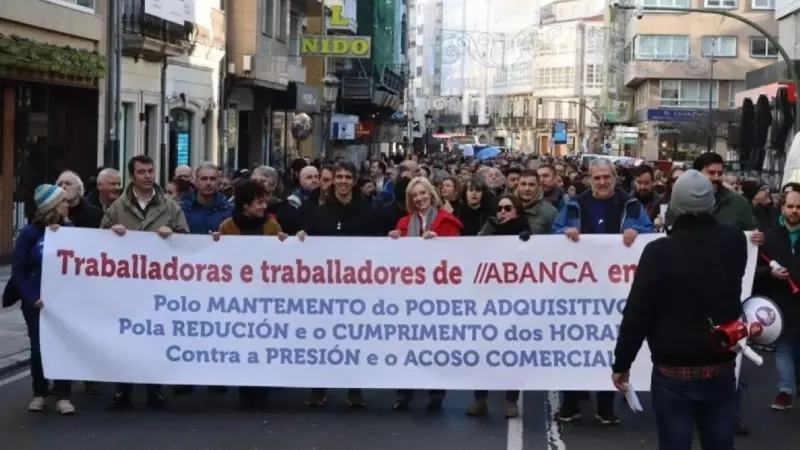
(453, 313)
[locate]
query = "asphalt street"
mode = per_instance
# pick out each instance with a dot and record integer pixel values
(208, 421)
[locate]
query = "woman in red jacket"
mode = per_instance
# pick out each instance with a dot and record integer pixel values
(426, 219)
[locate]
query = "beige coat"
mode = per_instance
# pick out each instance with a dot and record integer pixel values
(161, 212)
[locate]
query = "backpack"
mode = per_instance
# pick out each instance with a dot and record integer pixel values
(11, 293)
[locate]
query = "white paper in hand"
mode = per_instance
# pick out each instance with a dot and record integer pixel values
(633, 400)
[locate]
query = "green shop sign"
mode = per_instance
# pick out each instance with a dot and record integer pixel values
(26, 54)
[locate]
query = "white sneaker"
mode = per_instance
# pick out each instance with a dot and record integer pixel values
(36, 405)
(65, 408)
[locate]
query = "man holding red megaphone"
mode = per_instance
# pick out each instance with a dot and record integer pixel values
(777, 275)
(687, 289)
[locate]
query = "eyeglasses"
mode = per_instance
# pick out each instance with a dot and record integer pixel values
(505, 208)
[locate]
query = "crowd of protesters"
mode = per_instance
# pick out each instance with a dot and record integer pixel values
(441, 195)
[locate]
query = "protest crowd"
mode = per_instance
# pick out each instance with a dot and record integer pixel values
(432, 196)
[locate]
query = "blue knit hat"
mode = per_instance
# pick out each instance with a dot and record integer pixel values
(47, 197)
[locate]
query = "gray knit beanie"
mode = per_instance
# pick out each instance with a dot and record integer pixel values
(692, 193)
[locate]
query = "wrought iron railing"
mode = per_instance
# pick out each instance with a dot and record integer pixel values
(136, 21)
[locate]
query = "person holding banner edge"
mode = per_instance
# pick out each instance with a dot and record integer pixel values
(602, 210)
(52, 208)
(509, 220)
(342, 213)
(427, 219)
(776, 276)
(143, 206)
(250, 218)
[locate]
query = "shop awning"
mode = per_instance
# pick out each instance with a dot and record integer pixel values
(769, 90)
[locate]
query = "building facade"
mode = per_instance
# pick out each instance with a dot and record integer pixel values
(552, 79)
(505, 71)
(265, 82)
(52, 69)
(150, 37)
(684, 74)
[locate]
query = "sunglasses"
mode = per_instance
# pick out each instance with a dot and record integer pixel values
(505, 208)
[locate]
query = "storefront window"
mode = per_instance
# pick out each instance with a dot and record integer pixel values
(284, 146)
(278, 139)
(180, 139)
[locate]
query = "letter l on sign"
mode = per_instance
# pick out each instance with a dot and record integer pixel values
(337, 20)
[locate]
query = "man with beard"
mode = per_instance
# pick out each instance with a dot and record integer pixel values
(758, 195)
(780, 244)
(643, 178)
(731, 208)
(602, 210)
(512, 179)
(552, 192)
(342, 213)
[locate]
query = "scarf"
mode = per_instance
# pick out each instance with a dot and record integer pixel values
(249, 226)
(415, 224)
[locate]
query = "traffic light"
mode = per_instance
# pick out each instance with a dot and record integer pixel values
(539, 103)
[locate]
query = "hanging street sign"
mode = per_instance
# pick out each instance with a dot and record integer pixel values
(358, 47)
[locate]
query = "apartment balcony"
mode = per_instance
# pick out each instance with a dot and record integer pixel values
(152, 38)
(448, 120)
(696, 68)
(392, 77)
(357, 88)
(572, 124)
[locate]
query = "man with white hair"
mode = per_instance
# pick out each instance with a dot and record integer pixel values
(82, 214)
(109, 186)
(602, 210)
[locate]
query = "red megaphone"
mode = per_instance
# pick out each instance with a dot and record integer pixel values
(771, 262)
(725, 337)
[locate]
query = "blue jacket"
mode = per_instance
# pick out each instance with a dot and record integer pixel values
(203, 219)
(26, 262)
(632, 214)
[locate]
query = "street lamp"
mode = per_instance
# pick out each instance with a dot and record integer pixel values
(330, 93)
(428, 125)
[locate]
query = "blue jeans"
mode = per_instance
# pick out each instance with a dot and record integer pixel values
(681, 406)
(787, 355)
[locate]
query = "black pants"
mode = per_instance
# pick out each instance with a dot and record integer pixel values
(322, 391)
(511, 396)
(605, 401)
(409, 393)
(252, 394)
(40, 386)
(127, 388)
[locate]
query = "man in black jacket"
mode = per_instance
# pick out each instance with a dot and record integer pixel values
(686, 284)
(781, 245)
(341, 214)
